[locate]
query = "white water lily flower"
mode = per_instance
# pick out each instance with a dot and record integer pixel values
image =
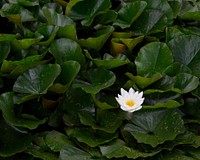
(130, 101)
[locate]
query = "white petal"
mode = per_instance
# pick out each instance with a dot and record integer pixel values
(135, 109)
(125, 108)
(131, 91)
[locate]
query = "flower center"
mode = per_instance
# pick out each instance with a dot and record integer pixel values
(130, 103)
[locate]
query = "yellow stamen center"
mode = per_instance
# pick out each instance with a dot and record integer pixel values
(130, 103)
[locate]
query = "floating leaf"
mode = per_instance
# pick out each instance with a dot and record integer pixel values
(144, 82)
(69, 70)
(13, 140)
(186, 82)
(87, 10)
(154, 127)
(129, 13)
(5, 50)
(98, 79)
(89, 136)
(109, 62)
(153, 58)
(73, 153)
(7, 106)
(118, 149)
(54, 18)
(56, 141)
(107, 121)
(64, 49)
(96, 42)
(189, 53)
(40, 78)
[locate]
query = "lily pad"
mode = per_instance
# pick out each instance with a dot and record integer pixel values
(8, 108)
(98, 79)
(153, 58)
(40, 78)
(65, 49)
(13, 140)
(129, 13)
(89, 136)
(118, 149)
(154, 127)
(189, 53)
(86, 10)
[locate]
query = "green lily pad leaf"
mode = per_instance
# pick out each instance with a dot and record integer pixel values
(40, 78)
(77, 101)
(5, 50)
(129, 13)
(7, 106)
(154, 127)
(69, 70)
(6, 37)
(105, 17)
(98, 79)
(98, 40)
(186, 82)
(118, 149)
(57, 141)
(190, 12)
(151, 21)
(38, 152)
(25, 43)
(144, 82)
(89, 136)
(16, 13)
(54, 18)
(74, 153)
(87, 10)
(107, 120)
(16, 68)
(176, 68)
(156, 16)
(109, 62)
(176, 6)
(191, 107)
(189, 53)
(153, 58)
(13, 140)
(131, 42)
(68, 31)
(103, 104)
(64, 49)
(163, 100)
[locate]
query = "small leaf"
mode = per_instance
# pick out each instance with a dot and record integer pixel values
(98, 40)
(144, 82)
(87, 10)
(189, 53)
(56, 141)
(89, 136)
(109, 62)
(118, 149)
(186, 82)
(5, 50)
(55, 18)
(74, 153)
(13, 140)
(98, 79)
(64, 49)
(129, 13)
(69, 70)
(7, 106)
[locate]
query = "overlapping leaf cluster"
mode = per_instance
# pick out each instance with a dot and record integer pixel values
(63, 63)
